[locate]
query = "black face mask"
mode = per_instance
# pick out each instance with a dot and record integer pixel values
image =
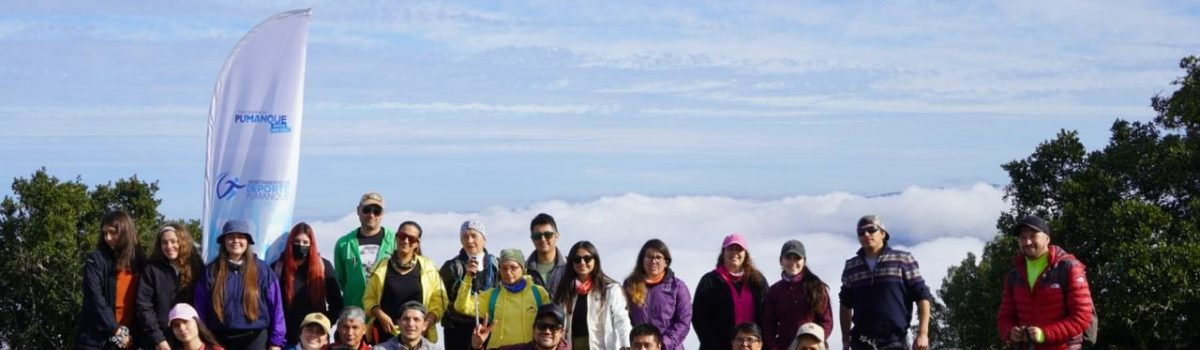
(299, 252)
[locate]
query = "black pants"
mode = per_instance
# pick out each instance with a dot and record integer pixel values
(254, 339)
(458, 337)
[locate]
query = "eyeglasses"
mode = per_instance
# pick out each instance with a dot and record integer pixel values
(746, 340)
(654, 258)
(584, 258)
(372, 209)
(408, 239)
(545, 326)
(870, 230)
(542, 235)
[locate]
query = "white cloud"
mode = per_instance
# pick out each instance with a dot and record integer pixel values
(941, 225)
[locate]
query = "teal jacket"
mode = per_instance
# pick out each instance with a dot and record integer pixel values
(349, 266)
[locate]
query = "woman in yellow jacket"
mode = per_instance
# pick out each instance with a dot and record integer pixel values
(510, 307)
(405, 276)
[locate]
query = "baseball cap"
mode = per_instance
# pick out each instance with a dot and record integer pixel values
(182, 311)
(318, 319)
(871, 219)
(810, 329)
(792, 247)
(1031, 221)
(552, 310)
(734, 239)
(371, 198)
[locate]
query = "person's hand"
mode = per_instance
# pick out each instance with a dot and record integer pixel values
(921, 343)
(1016, 335)
(385, 321)
(472, 267)
(431, 321)
(126, 342)
(481, 333)
(1033, 332)
(162, 345)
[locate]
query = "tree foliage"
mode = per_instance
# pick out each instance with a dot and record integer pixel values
(1128, 211)
(46, 228)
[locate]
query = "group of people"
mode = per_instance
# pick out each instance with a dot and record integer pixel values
(383, 293)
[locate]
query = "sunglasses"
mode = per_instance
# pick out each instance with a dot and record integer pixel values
(868, 230)
(408, 239)
(372, 209)
(541, 235)
(544, 326)
(578, 259)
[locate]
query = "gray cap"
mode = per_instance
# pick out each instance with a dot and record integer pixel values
(236, 226)
(793, 247)
(871, 219)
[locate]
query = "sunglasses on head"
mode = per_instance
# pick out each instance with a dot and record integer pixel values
(372, 209)
(546, 326)
(870, 230)
(578, 259)
(541, 235)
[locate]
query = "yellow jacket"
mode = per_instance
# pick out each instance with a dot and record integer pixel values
(433, 292)
(515, 312)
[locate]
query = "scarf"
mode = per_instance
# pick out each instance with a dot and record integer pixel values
(743, 300)
(582, 288)
(515, 287)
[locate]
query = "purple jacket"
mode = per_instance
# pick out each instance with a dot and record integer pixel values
(787, 307)
(270, 303)
(668, 307)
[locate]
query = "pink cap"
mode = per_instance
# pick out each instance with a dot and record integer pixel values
(182, 311)
(734, 239)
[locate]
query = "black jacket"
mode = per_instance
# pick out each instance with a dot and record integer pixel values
(98, 319)
(712, 310)
(452, 274)
(294, 313)
(158, 292)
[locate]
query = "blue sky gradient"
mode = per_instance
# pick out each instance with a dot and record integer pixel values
(466, 105)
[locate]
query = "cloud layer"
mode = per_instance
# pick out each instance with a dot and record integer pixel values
(939, 226)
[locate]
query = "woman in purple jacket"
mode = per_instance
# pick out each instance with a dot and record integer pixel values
(238, 294)
(657, 297)
(800, 297)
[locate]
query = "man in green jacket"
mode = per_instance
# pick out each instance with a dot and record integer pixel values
(359, 250)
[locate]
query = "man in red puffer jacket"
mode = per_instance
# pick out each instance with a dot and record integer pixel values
(1035, 309)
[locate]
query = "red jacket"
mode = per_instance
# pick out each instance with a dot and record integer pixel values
(1062, 321)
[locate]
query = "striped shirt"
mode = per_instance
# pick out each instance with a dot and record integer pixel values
(882, 298)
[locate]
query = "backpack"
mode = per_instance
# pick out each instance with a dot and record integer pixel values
(1089, 334)
(537, 299)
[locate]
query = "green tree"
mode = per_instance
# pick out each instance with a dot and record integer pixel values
(46, 228)
(1128, 211)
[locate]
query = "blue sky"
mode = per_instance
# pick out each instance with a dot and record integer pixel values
(461, 106)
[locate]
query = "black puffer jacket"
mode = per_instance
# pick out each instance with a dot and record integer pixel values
(158, 292)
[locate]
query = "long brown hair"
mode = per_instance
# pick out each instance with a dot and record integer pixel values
(187, 260)
(249, 282)
(750, 274)
(128, 254)
(817, 290)
(635, 284)
(316, 268)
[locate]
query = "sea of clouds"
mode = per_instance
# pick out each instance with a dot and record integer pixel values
(938, 225)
